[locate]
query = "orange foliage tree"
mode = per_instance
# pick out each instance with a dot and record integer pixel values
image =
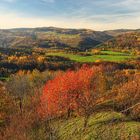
(74, 91)
(128, 97)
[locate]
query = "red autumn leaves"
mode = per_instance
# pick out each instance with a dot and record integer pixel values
(67, 92)
(85, 91)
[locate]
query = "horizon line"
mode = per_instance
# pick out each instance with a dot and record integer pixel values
(12, 28)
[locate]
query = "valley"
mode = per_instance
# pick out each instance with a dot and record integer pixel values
(62, 84)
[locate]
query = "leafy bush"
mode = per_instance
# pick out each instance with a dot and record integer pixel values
(128, 97)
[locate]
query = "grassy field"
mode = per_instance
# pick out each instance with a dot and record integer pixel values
(106, 56)
(102, 126)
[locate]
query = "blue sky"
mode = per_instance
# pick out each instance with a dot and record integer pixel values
(93, 14)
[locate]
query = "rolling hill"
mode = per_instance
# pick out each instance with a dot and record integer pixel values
(118, 32)
(81, 39)
(127, 41)
(51, 38)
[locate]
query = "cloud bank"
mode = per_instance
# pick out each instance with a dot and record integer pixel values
(94, 14)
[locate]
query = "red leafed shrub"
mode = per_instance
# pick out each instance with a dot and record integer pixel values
(72, 91)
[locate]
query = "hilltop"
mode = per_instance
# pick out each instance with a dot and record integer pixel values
(60, 38)
(51, 37)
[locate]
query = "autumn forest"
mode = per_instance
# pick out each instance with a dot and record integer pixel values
(62, 84)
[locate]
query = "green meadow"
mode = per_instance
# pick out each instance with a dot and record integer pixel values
(104, 56)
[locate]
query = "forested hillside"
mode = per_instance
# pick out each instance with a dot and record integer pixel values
(127, 41)
(68, 84)
(52, 38)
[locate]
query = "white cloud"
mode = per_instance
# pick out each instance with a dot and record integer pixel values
(77, 18)
(15, 21)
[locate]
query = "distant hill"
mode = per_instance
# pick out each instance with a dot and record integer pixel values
(126, 41)
(51, 37)
(118, 32)
(83, 39)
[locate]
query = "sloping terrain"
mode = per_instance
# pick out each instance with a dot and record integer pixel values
(102, 126)
(83, 39)
(118, 32)
(127, 41)
(52, 38)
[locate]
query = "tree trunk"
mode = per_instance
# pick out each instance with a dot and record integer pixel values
(86, 120)
(68, 113)
(20, 105)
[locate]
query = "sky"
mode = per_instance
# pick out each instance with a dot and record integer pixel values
(90, 14)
